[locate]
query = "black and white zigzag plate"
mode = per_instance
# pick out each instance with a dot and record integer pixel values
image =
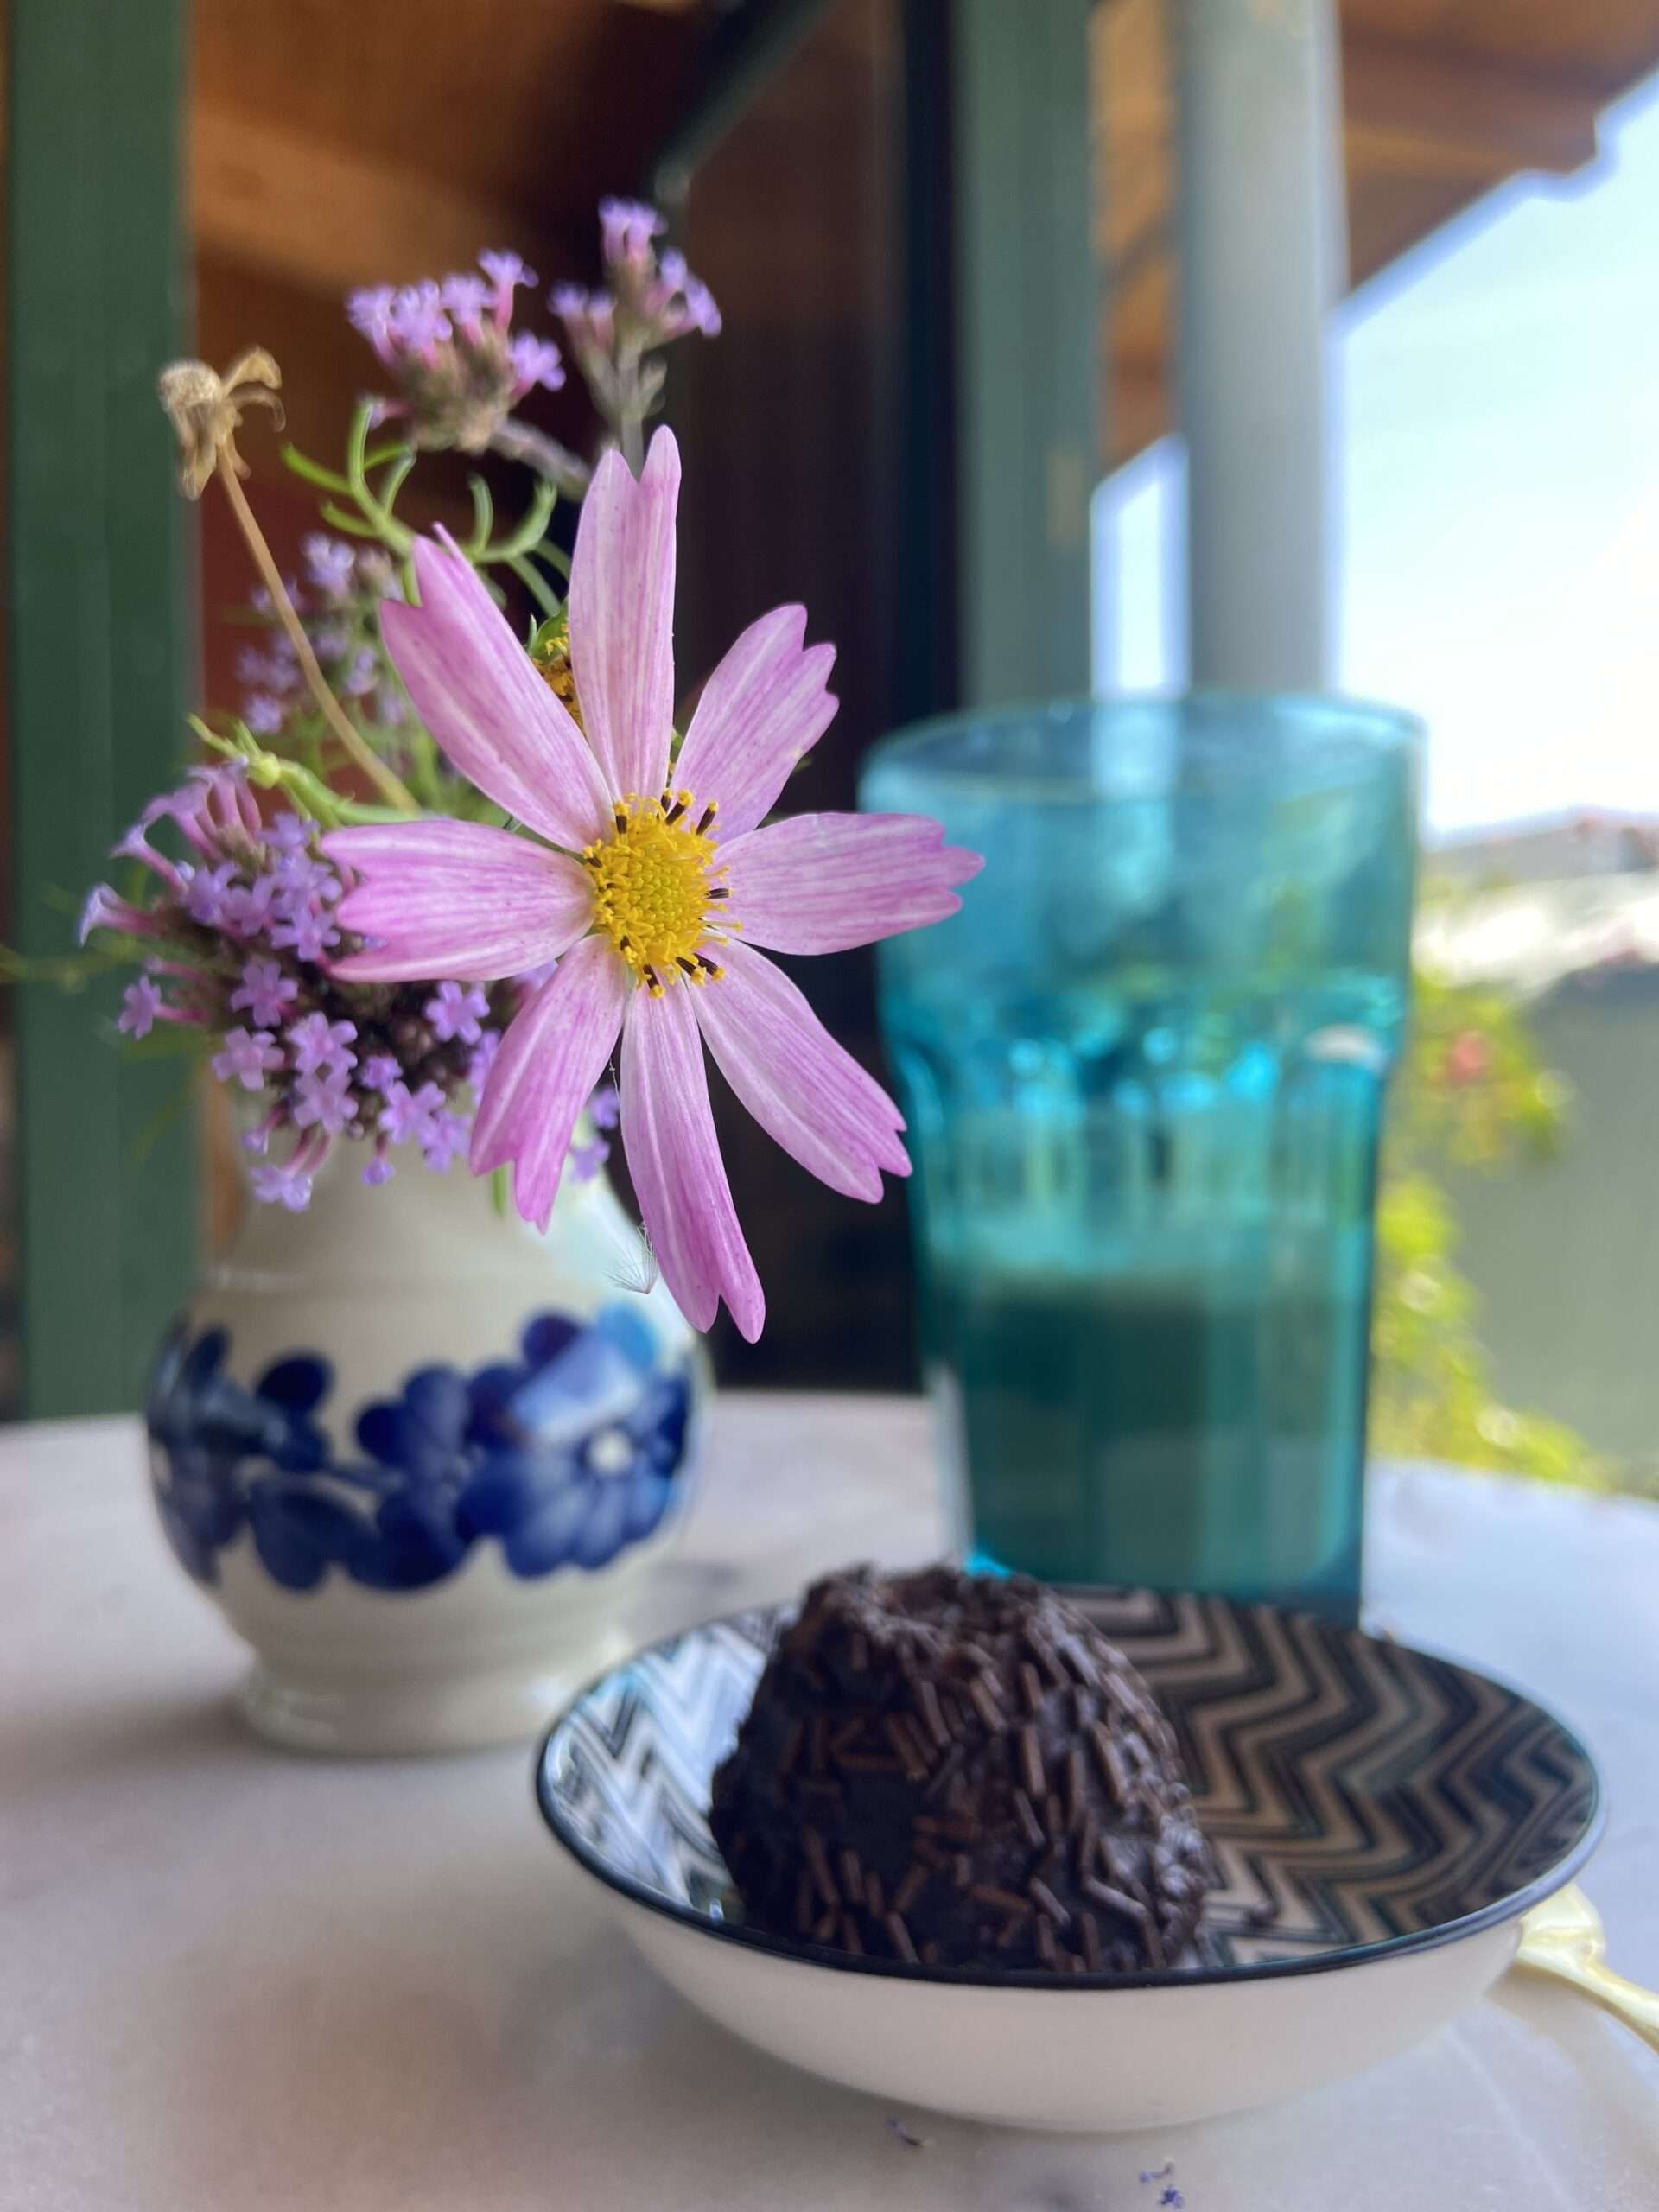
(1382, 1819)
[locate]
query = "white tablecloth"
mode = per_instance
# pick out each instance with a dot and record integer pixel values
(231, 1978)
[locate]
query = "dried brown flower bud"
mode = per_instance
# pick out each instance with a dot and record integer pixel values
(206, 410)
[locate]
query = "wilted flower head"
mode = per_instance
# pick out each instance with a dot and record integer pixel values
(206, 410)
(456, 366)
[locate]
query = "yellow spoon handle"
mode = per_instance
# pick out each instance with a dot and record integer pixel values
(1639, 2008)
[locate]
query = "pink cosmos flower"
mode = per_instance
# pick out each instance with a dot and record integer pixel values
(652, 894)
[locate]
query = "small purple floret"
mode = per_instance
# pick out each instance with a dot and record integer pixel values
(140, 1004)
(264, 991)
(248, 1058)
(317, 1043)
(458, 1010)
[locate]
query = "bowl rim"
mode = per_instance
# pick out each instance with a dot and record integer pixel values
(794, 1952)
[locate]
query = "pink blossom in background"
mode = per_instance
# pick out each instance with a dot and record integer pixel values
(638, 886)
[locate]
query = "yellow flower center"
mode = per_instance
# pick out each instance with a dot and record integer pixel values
(657, 892)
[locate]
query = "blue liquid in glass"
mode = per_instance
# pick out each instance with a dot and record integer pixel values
(1144, 1070)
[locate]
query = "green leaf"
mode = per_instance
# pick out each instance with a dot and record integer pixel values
(532, 527)
(527, 574)
(483, 517)
(313, 472)
(354, 526)
(395, 479)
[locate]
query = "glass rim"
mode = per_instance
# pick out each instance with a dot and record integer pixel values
(1390, 732)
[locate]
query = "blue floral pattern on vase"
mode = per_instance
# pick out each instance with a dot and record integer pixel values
(568, 1456)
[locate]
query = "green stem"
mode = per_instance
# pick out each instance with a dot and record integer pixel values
(532, 528)
(524, 569)
(334, 714)
(392, 533)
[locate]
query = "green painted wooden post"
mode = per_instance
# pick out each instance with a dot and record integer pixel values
(99, 659)
(1028, 298)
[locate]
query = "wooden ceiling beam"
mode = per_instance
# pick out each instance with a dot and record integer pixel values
(1448, 113)
(326, 219)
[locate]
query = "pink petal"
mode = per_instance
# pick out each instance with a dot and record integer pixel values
(679, 1178)
(803, 1089)
(456, 898)
(622, 617)
(553, 1054)
(822, 882)
(761, 709)
(475, 690)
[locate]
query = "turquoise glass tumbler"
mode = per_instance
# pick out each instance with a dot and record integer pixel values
(1144, 1069)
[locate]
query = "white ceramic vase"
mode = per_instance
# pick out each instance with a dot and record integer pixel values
(419, 1454)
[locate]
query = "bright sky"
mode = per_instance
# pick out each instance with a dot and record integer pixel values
(1501, 393)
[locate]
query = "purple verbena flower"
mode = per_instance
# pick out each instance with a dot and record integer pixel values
(418, 323)
(299, 883)
(535, 361)
(248, 1058)
(106, 910)
(317, 1043)
(505, 271)
(330, 641)
(288, 1186)
(626, 229)
(458, 1010)
(246, 909)
(379, 1169)
(589, 319)
(204, 901)
(222, 802)
(482, 1059)
(585, 1160)
(258, 1138)
(370, 312)
(325, 1101)
(142, 1003)
(363, 674)
(310, 934)
(329, 561)
(135, 846)
(407, 1114)
(262, 603)
(604, 1107)
(380, 1072)
(391, 710)
(468, 299)
(265, 991)
(274, 671)
(287, 833)
(442, 1138)
(263, 715)
(699, 311)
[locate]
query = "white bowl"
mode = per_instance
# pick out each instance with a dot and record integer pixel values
(1381, 1819)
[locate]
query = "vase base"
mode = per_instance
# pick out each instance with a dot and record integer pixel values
(458, 1713)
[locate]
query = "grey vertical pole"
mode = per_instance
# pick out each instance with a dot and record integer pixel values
(1262, 252)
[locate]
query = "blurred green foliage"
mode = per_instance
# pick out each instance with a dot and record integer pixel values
(1472, 1093)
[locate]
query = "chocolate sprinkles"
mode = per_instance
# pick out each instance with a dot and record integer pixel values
(943, 1770)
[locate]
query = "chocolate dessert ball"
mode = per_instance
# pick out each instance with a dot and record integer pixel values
(960, 1769)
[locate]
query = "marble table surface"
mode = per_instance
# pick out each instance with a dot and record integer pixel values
(231, 1977)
